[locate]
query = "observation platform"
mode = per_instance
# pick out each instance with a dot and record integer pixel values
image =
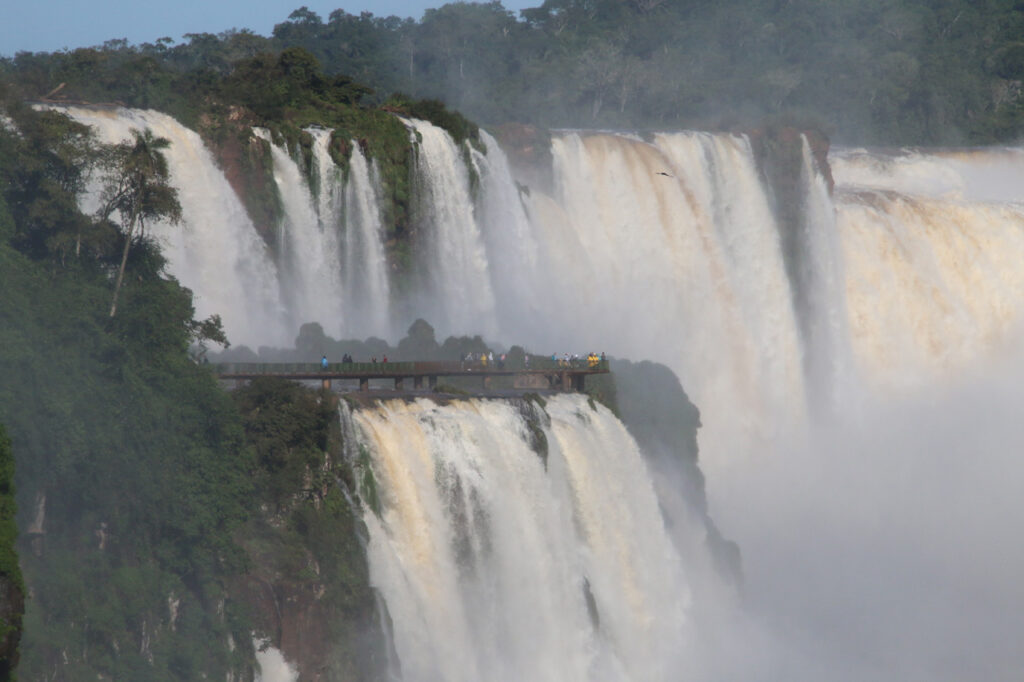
(558, 376)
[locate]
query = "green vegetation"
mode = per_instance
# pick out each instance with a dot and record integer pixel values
(873, 72)
(304, 541)
(222, 90)
(138, 189)
(137, 460)
(289, 428)
(892, 72)
(460, 128)
(368, 483)
(143, 489)
(452, 389)
(12, 589)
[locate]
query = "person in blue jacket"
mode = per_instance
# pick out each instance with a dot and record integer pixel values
(323, 362)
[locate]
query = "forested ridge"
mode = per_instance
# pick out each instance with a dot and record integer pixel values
(893, 72)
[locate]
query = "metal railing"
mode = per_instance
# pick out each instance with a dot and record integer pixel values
(402, 368)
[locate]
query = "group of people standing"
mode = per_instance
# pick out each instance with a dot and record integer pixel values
(487, 359)
(484, 360)
(346, 359)
(593, 360)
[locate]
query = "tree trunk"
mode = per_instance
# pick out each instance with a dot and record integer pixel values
(124, 261)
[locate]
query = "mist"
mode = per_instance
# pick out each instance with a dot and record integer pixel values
(882, 545)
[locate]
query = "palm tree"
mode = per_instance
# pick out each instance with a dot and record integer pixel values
(138, 190)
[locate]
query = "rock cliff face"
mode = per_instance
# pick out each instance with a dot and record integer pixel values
(308, 595)
(660, 416)
(779, 153)
(247, 167)
(307, 588)
(529, 152)
(782, 157)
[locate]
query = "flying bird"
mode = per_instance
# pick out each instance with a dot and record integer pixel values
(664, 173)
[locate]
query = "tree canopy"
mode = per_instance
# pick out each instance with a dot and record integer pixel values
(877, 71)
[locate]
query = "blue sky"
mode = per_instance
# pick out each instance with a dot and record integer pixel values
(49, 25)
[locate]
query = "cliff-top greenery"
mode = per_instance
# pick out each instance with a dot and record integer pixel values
(893, 72)
(135, 470)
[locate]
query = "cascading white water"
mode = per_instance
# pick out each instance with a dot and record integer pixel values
(367, 288)
(682, 267)
(331, 266)
(511, 242)
(932, 284)
(669, 251)
(829, 372)
(350, 223)
(453, 264)
(852, 533)
(309, 249)
(979, 175)
(216, 251)
(272, 665)
(486, 554)
(327, 180)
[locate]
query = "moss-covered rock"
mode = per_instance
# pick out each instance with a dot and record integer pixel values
(307, 588)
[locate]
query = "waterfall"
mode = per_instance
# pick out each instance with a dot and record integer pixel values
(328, 182)
(507, 235)
(664, 249)
(453, 263)
(933, 284)
(351, 225)
(501, 563)
(367, 288)
(309, 249)
(827, 346)
(978, 175)
(877, 546)
(216, 250)
(669, 251)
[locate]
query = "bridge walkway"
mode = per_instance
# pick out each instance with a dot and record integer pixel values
(559, 376)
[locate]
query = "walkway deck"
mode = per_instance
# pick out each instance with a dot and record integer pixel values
(558, 377)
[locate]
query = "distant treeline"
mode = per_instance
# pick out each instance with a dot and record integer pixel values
(870, 72)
